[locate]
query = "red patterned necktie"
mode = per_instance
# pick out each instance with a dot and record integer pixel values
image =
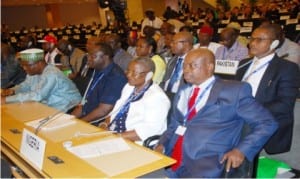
(177, 151)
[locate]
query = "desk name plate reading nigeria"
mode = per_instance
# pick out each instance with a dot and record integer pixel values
(226, 66)
(33, 148)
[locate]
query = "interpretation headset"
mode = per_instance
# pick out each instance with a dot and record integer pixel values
(69, 47)
(274, 44)
(149, 76)
(29, 44)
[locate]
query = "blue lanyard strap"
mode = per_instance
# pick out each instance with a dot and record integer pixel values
(94, 83)
(197, 101)
(256, 70)
(130, 99)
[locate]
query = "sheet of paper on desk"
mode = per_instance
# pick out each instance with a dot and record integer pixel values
(103, 147)
(58, 121)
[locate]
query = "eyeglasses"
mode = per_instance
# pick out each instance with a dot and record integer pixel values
(191, 66)
(96, 55)
(134, 73)
(179, 41)
(258, 39)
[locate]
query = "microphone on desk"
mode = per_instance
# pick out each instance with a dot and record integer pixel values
(50, 117)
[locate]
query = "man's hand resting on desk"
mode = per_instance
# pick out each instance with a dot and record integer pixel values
(7, 92)
(3, 100)
(159, 148)
(234, 159)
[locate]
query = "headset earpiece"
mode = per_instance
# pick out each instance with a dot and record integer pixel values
(274, 44)
(29, 43)
(149, 76)
(69, 47)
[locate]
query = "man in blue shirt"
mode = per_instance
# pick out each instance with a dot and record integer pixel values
(104, 87)
(44, 83)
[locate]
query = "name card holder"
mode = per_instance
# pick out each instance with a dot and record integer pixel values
(291, 21)
(33, 148)
(246, 30)
(248, 24)
(284, 17)
(228, 67)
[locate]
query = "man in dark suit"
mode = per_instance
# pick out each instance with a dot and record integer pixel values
(275, 83)
(181, 44)
(205, 134)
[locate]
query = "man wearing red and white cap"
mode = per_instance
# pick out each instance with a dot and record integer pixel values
(49, 46)
(205, 35)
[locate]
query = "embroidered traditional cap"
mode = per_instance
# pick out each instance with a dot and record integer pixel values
(48, 38)
(32, 55)
(206, 30)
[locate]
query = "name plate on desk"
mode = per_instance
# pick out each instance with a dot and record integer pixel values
(226, 66)
(33, 148)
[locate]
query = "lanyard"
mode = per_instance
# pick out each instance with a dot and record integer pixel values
(90, 88)
(197, 101)
(131, 98)
(258, 69)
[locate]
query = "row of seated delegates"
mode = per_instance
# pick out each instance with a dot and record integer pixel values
(275, 83)
(11, 71)
(273, 101)
(205, 110)
(44, 83)
(142, 109)
(104, 86)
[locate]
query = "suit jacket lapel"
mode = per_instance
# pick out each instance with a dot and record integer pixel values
(267, 78)
(213, 96)
(243, 67)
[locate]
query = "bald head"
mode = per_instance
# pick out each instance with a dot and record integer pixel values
(199, 65)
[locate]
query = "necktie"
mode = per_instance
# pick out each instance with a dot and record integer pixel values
(177, 151)
(175, 76)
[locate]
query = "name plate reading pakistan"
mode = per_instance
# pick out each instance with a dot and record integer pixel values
(226, 66)
(33, 148)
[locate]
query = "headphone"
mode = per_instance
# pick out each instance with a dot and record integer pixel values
(29, 43)
(149, 76)
(69, 47)
(274, 44)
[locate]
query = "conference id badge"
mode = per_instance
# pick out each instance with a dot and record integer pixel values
(180, 130)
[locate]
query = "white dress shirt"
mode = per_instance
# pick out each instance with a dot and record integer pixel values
(254, 78)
